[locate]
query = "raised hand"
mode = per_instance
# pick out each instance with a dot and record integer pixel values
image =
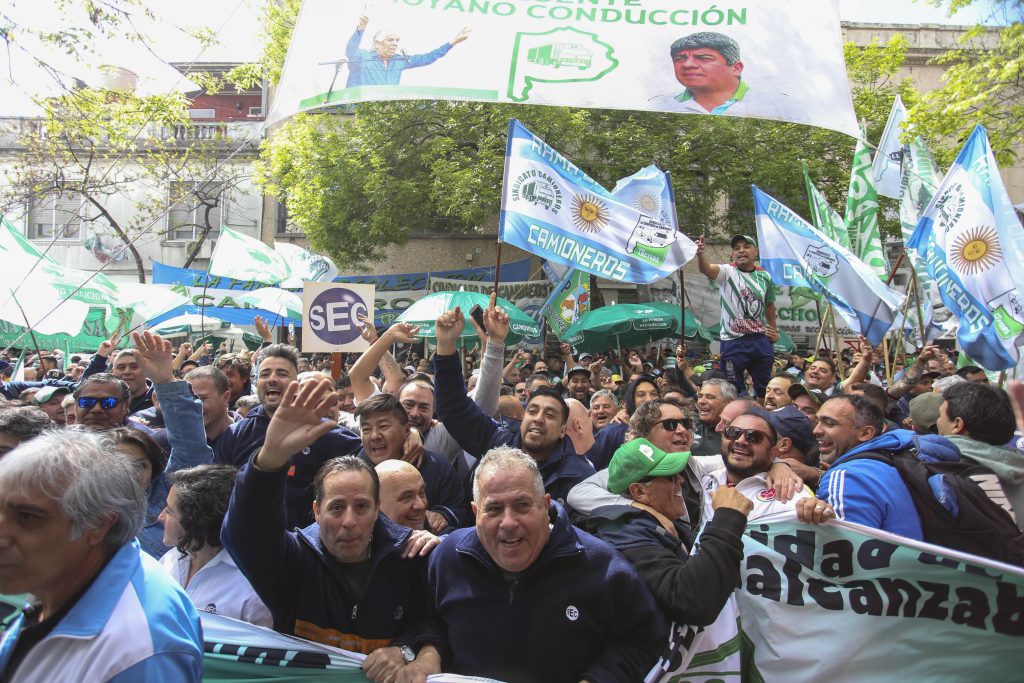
(447, 328)
(155, 358)
(496, 320)
(263, 329)
(297, 422)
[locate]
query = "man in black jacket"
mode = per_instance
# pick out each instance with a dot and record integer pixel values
(649, 532)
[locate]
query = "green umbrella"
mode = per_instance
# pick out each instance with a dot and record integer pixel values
(426, 311)
(630, 325)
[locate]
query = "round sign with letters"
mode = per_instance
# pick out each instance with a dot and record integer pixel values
(334, 315)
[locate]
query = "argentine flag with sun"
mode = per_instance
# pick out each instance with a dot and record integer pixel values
(551, 208)
(973, 245)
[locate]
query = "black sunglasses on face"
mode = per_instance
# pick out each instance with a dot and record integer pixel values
(753, 436)
(108, 402)
(672, 423)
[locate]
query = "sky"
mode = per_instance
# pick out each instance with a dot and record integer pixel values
(237, 25)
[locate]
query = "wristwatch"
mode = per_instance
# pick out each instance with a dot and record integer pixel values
(407, 654)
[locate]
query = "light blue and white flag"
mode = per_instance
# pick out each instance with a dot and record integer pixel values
(551, 208)
(796, 254)
(649, 191)
(973, 245)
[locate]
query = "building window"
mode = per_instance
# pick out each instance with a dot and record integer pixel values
(58, 214)
(283, 225)
(186, 220)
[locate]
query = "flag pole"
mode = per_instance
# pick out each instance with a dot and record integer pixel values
(31, 332)
(917, 302)
(497, 265)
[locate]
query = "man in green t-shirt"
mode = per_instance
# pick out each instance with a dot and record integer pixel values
(748, 313)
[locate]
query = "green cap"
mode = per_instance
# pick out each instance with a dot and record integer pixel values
(639, 459)
(745, 238)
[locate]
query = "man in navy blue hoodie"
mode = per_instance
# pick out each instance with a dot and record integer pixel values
(541, 433)
(525, 597)
(279, 366)
(354, 579)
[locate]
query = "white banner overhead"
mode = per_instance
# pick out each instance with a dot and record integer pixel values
(771, 59)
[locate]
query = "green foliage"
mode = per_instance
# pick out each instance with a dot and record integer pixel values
(981, 86)
(279, 17)
(359, 182)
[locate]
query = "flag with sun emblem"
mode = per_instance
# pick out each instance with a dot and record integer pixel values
(973, 245)
(551, 208)
(649, 191)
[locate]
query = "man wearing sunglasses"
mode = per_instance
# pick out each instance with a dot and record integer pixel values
(101, 402)
(750, 445)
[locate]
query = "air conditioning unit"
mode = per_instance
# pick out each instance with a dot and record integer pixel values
(204, 250)
(255, 112)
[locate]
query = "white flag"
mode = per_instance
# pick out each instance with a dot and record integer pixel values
(241, 257)
(886, 166)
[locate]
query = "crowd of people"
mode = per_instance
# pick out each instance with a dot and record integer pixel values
(519, 517)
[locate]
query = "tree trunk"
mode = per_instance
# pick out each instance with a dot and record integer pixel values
(122, 235)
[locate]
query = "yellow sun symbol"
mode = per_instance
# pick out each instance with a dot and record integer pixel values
(589, 214)
(976, 250)
(647, 202)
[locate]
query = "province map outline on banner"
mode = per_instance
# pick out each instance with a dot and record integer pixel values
(601, 54)
(553, 209)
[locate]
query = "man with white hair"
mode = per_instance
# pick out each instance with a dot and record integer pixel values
(526, 596)
(384, 64)
(70, 508)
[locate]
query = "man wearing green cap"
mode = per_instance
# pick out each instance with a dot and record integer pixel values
(691, 590)
(748, 313)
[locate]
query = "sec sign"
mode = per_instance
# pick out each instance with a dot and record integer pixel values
(331, 315)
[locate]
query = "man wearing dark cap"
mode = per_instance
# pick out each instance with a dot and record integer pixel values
(748, 313)
(577, 385)
(807, 401)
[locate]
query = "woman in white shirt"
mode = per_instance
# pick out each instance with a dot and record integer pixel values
(196, 505)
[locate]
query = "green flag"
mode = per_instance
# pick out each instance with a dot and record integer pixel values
(823, 216)
(918, 182)
(568, 301)
(862, 213)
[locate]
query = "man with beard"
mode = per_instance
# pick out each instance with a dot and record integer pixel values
(777, 394)
(577, 385)
(279, 366)
(541, 433)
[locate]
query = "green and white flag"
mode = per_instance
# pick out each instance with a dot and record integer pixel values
(824, 217)
(568, 301)
(919, 181)
(862, 213)
(242, 257)
(18, 373)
